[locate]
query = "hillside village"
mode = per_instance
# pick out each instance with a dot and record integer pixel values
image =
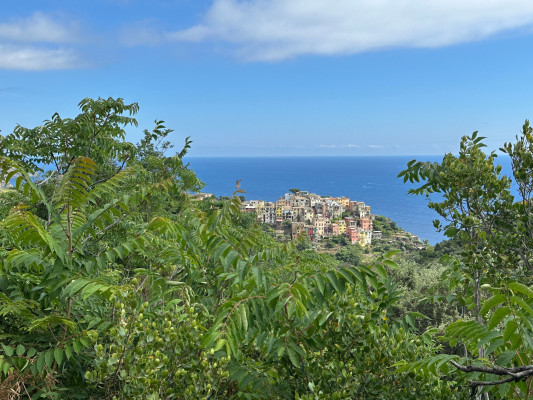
(302, 213)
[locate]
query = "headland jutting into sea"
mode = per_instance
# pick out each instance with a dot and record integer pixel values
(300, 213)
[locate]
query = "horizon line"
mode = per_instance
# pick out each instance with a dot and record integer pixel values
(311, 155)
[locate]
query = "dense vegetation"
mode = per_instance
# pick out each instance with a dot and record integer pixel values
(116, 283)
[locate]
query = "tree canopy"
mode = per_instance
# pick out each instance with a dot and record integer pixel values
(115, 282)
(490, 279)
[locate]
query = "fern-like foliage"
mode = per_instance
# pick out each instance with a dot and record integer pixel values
(50, 271)
(506, 340)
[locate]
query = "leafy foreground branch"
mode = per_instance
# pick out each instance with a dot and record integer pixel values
(490, 281)
(115, 283)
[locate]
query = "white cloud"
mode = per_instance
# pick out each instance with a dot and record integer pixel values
(338, 146)
(375, 146)
(270, 30)
(38, 28)
(286, 147)
(22, 43)
(36, 59)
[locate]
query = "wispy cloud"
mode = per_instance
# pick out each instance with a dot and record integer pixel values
(39, 27)
(338, 146)
(297, 146)
(272, 30)
(36, 43)
(37, 59)
(375, 146)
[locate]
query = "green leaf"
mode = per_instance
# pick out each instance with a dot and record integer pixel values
(520, 301)
(244, 317)
(75, 286)
(40, 362)
(492, 302)
(505, 358)
(332, 277)
(68, 351)
(297, 349)
(320, 283)
(58, 355)
(510, 328)
(303, 290)
(516, 341)
(519, 287)
(451, 231)
(355, 272)
(258, 276)
(91, 288)
(346, 275)
(503, 390)
(8, 350)
(293, 356)
(49, 357)
(381, 271)
(498, 315)
(410, 320)
(20, 350)
(494, 345)
(220, 344)
(77, 347)
(487, 338)
(391, 253)
(324, 317)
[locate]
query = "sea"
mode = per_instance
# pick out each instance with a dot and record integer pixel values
(370, 179)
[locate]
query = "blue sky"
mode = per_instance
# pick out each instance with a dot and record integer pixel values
(278, 77)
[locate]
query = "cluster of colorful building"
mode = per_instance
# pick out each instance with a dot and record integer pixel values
(302, 213)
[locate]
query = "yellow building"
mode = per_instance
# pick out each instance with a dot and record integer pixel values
(342, 227)
(343, 201)
(362, 238)
(279, 207)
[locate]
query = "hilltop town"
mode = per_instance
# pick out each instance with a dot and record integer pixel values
(300, 213)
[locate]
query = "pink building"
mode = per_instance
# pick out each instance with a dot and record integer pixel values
(353, 235)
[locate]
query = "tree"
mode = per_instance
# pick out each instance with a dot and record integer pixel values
(97, 133)
(60, 289)
(493, 227)
(115, 283)
(303, 242)
(351, 254)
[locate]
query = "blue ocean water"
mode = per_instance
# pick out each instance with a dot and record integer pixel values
(369, 179)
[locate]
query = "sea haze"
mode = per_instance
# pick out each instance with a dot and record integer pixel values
(369, 179)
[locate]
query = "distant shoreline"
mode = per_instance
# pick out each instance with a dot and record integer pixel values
(319, 156)
(371, 179)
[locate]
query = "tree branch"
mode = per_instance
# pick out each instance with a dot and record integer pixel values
(515, 374)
